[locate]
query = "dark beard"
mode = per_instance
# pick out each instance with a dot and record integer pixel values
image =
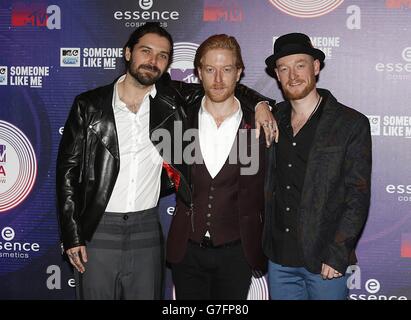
(146, 79)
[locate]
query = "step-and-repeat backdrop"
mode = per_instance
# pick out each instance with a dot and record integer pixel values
(52, 50)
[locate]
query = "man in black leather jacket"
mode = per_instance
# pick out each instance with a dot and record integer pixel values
(108, 172)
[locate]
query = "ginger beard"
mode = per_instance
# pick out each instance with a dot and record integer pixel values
(295, 89)
(219, 93)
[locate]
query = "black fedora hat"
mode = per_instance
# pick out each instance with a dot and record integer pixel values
(293, 43)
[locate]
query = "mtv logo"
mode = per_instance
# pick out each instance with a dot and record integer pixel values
(186, 75)
(69, 57)
(33, 14)
(226, 10)
(70, 52)
(2, 153)
(397, 4)
(375, 125)
(406, 245)
(3, 75)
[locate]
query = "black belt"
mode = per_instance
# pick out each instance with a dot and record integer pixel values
(208, 243)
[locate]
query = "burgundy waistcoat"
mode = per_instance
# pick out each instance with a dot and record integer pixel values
(216, 203)
(236, 206)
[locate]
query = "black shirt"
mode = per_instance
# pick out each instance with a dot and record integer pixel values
(291, 157)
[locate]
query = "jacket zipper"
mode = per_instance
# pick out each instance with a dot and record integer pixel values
(162, 122)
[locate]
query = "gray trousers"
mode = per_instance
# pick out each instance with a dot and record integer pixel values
(125, 258)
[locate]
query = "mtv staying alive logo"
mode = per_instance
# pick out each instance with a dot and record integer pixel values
(222, 10)
(36, 15)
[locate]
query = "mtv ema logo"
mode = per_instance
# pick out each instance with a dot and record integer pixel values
(397, 4)
(3, 75)
(222, 10)
(35, 15)
(375, 125)
(18, 166)
(306, 9)
(69, 57)
(182, 68)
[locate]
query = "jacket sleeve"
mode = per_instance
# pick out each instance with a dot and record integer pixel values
(251, 97)
(68, 177)
(357, 179)
(191, 92)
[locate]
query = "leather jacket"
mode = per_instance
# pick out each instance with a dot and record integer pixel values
(88, 160)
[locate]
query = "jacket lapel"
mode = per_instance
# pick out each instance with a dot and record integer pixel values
(103, 125)
(327, 121)
(161, 108)
(322, 135)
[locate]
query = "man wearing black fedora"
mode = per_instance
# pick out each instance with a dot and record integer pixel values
(318, 180)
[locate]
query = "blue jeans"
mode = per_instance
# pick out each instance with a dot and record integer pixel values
(292, 283)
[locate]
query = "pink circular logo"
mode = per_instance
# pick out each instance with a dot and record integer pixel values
(18, 166)
(306, 9)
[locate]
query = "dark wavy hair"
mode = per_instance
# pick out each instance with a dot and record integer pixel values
(148, 27)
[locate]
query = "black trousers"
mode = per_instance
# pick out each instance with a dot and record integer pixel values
(125, 258)
(212, 273)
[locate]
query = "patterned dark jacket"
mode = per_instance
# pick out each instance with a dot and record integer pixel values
(336, 193)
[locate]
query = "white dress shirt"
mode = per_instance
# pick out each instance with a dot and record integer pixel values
(216, 142)
(138, 183)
